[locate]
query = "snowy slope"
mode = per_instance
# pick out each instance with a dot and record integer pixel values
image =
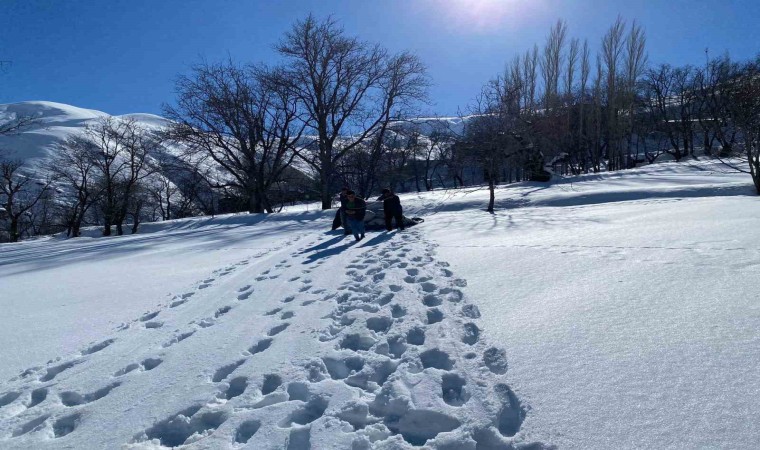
(54, 122)
(628, 303)
(288, 336)
(614, 311)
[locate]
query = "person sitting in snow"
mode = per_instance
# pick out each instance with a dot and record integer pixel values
(356, 208)
(392, 209)
(340, 215)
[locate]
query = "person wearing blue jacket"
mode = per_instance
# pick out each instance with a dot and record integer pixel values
(355, 209)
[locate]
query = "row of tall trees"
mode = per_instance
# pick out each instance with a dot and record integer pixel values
(559, 101)
(560, 106)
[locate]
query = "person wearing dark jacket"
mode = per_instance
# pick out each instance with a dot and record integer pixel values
(392, 209)
(356, 208)
(340, 216)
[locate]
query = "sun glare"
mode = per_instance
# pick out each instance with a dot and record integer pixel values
(481, 15)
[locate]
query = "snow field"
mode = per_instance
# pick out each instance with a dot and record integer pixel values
(320, 343)
(625, 305)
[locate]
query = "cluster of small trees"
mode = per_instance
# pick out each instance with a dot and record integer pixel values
(714, 109)
(558, 106)
(111, 174)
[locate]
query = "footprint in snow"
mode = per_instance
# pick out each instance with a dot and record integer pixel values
(260, 346)
(278, 329)
(33, 425)
(246, 430)
(70, 398)
(177, 429)
(179, 338)
(235, 388)
(225, 371)
(146, 365)
(176, 303)
(8, 398)
(148, 316)
(98, 347)
(53, 372)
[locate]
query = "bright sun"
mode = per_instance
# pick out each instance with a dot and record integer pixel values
(481, 15)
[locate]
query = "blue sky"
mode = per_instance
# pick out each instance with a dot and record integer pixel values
(123, 56)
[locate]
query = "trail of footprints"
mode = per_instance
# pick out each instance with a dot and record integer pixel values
(386, 348)
(64, 424)
(385, 353)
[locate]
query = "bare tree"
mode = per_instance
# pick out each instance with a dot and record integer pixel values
(74, 171)
(669, 96)
(551, 63)
(570, 140)
(19, 193)
(530, 77)
(120, 155)
(744, 92)
(613, 46)
(585, 72)
(137, 152)
(16, 124)
(572, 64)
(635, 64)
(596, 152)
(243, 119)
(714, 103)
(346, 87)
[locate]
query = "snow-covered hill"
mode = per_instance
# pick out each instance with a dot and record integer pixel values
(54, 123)
(609, 311)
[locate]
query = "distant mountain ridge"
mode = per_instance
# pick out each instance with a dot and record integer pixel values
(54, 123)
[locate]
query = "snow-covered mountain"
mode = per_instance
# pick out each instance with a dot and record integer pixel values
(603, 311)
(54, 123)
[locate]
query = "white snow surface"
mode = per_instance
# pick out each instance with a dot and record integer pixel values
(604, 311)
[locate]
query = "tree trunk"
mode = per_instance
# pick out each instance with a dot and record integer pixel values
(254, 203)
(326, 195)
(14, 235)
(491, 193)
